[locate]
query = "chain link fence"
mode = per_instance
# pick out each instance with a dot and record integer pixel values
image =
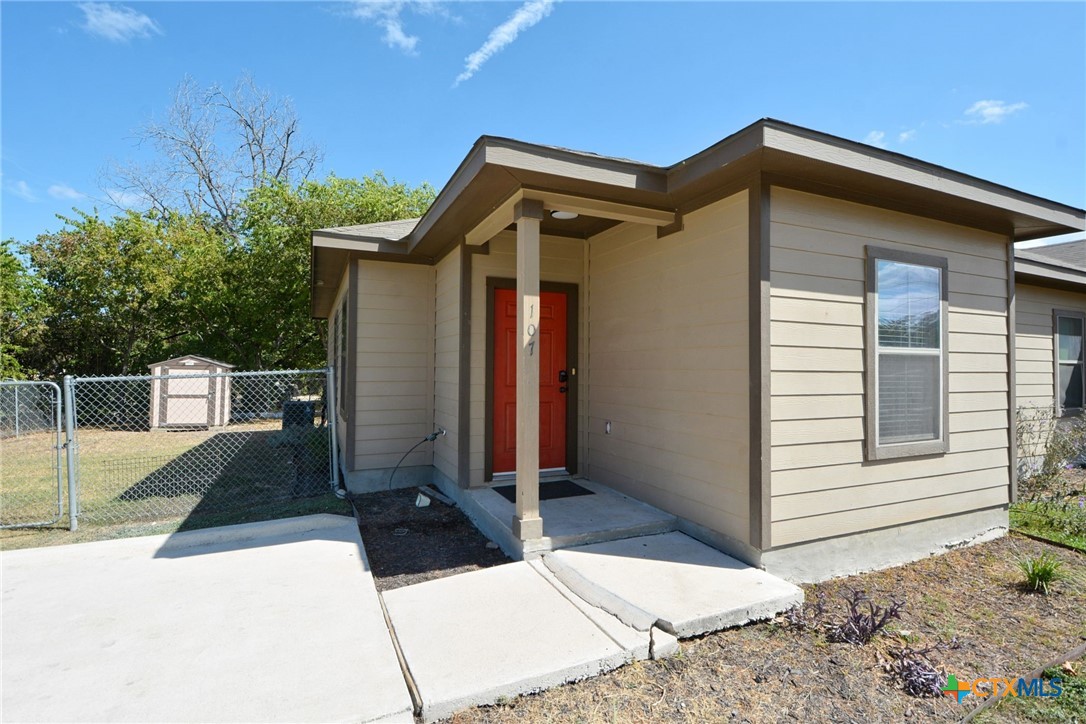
(31, 443)
(200, 444)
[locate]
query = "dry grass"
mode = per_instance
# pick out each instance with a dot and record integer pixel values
(148, 482)
(769, 673)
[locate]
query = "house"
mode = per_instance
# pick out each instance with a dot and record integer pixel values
(796, 344)
(1050, 317)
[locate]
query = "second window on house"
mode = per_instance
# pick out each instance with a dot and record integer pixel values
(907, 353)
(1069, 361)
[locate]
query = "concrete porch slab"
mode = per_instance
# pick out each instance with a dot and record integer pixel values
(605, 515)
(263, 622)
(477, 637)
(671, 581)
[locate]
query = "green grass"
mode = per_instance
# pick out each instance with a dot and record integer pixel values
(1066, 525)
(156, 481)
(1067, 708)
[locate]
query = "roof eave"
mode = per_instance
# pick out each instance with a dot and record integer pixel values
(1049, 275)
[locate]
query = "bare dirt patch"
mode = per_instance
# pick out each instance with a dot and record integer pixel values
(407, 544)
(771, 673)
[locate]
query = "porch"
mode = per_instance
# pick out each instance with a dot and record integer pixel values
(600, 515)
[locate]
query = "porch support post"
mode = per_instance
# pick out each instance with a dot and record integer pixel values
(527, 525)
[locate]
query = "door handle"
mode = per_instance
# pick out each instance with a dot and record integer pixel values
(563, 389)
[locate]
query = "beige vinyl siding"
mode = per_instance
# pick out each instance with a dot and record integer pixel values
(394, 374)
(1033, 333)
(669, 365)
(1035, 381)
(447, 362)
(821, 485)
(561, 260)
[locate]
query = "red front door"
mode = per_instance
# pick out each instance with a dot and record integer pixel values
(552, 390)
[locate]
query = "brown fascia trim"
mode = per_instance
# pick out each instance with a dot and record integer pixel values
(1049, 275)
(675, 178)
(941, 173)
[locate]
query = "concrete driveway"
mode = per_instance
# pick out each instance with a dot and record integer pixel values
(265, 622)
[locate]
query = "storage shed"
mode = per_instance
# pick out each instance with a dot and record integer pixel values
(185, 401)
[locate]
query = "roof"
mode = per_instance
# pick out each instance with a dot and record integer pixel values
(210, 361)
(382, 230)
(496, 169)
(1061, 265)
(1069, 254)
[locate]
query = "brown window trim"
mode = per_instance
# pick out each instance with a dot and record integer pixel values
(1056, 314)
(871, 337)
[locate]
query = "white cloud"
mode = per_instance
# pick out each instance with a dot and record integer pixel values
(875, 138)
(22, 190)
(64, 191)
(387, 15)
(992, 111)
(118, 23)
(906, 136)
(523, 18)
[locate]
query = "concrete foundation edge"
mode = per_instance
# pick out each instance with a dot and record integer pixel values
(884, 548)
(376, 479)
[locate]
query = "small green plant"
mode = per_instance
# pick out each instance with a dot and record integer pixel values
(1041, 571)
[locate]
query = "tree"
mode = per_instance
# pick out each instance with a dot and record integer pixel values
(260, 312)
(116, 291)
(21, 312)
(214, 147)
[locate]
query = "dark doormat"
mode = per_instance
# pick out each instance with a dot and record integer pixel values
(550, 490)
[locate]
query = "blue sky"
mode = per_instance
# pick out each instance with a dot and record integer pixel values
(997, 90)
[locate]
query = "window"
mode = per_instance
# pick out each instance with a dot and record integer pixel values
(1069, 360)
(907, 354)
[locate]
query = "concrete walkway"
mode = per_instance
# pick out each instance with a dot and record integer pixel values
(281, 621)
(493, 634)
(264, 622)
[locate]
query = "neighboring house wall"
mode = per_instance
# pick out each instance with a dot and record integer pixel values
(1034, 369)
(394, 376)
(561, 260)
(668, 365)
(447, 362)
(822, 486)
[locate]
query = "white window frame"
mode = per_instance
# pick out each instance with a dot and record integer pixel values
(876, 450)
(1057, 314)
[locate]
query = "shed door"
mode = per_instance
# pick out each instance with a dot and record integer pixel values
(552, 389)
(187, 401)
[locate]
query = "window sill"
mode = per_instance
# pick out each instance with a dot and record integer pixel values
(908, 450)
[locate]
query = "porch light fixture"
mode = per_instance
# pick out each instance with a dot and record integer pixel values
(564, 215)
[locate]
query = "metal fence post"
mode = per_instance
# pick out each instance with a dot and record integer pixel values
(69, 447)
(330, 403)
(16, 412)
(58, 427)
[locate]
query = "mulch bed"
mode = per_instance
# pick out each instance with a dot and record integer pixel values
(406, 544)
(770, 672)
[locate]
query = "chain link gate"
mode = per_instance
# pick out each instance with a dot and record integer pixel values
(200, 444)
(31, 449)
